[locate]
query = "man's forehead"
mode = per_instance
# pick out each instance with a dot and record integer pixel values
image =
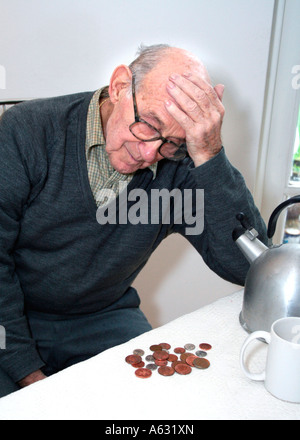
(153, 92)
(156, 79)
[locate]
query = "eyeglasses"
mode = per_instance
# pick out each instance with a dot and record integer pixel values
(145, 132)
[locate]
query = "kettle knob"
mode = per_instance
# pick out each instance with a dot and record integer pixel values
(243, 220)
(245, 228)
(246, 237)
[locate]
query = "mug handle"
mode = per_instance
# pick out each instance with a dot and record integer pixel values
(255, 335)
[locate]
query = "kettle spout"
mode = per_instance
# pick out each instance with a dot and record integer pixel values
(248, 243)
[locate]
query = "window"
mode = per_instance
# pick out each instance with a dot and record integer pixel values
(295, 174)
(292, 223)
(278, 174)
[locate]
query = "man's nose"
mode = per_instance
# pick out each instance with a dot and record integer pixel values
(149, 150)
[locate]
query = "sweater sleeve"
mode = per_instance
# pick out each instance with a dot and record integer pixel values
(19, 357)
(225, 195)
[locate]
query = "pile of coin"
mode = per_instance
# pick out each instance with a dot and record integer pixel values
(182, 361)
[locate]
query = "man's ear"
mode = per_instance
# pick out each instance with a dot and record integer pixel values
(120, 80)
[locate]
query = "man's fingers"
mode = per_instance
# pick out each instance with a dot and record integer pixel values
(192, 107)
(199, 90)
(219, 89)
(180, 116)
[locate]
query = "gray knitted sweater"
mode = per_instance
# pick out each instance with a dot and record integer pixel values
(55, 257)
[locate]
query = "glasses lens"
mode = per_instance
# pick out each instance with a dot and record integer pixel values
(171, 151)
(144, 132)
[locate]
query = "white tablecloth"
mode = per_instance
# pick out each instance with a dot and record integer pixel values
(106, 388)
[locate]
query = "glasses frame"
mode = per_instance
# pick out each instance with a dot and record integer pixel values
(138, 119)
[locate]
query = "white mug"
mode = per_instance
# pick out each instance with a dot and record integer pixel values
(282, 373)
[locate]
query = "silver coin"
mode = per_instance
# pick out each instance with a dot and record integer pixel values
(151, 366)
(201, 354)
(150, 358)
(138, 352)
(189, 347)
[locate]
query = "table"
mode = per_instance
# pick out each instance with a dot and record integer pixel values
(106, 388)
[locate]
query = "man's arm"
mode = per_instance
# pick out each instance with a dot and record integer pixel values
(199, 110)
(20, 357)
(225, 195)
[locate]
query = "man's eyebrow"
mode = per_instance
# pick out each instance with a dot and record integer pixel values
(161, 124)
(152, 115)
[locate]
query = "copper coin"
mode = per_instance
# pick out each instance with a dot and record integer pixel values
(183, 356)
(138, 365)
(156, 348)
(161, 355)
(143, 373)
(179, 350)
(161, 363)
(189, 360)
(205, 346)
(173, 365)
(183, 369)
(133, 359)
(166, 371)
(201, 363)
(165, 346)
(172, 357)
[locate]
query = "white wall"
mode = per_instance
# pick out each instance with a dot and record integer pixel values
(63, 46)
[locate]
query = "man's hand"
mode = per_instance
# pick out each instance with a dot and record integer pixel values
(31, 378)
(199, 111)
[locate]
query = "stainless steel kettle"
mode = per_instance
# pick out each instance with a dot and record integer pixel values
(272, 288)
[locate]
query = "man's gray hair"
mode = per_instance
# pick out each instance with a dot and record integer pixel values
(147, 58)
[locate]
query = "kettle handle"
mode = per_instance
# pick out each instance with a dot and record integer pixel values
(274, 217)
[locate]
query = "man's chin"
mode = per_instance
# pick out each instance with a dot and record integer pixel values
(125, 168)
(126, 165)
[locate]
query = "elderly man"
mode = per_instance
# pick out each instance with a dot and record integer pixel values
(65, 278)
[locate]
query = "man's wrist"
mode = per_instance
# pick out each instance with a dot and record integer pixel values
(204, 156)
(32, 378)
